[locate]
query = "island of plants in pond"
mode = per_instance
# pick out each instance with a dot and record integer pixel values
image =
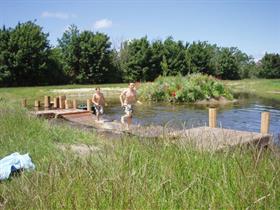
(191, 88)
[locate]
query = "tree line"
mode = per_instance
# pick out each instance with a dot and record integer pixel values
(86, 57)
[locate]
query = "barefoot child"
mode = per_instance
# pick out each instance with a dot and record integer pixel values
(128, 98)
(98, 101)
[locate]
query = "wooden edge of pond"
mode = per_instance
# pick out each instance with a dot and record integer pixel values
(203, 138)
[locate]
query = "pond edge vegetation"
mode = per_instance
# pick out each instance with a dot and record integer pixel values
(193, 88)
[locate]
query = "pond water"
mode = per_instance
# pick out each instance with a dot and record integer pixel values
(244, 115)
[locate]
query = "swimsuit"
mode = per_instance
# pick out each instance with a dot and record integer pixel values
(128, 109)
(98, 109)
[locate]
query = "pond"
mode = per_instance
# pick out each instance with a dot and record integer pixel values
(244, 115)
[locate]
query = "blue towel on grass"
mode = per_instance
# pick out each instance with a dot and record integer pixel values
(14, 162)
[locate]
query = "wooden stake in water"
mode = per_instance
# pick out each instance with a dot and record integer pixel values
(74, 104)
(265, 121)
(23, 103)
(212, 117)
(88, 104)
(47, 101)
(62, 102)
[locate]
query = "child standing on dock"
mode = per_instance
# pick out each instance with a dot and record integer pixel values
(98, 101)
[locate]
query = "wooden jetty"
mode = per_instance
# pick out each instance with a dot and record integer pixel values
(204, 138)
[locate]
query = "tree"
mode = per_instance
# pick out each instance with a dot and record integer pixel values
(69, 45)
(96, 58)
(5, 56)
(200, 55)
(157, 54)
(174, 57)
(226, 63)
(55, 74)
(270, 66)
(135, 59)
(87, 56)
(25, 54)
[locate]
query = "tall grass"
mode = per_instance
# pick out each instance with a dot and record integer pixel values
(191, 88)
(131, 173)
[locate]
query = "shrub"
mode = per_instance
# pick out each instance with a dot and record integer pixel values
(190, 88)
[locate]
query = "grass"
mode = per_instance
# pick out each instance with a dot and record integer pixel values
(267, 88)
(130, 173)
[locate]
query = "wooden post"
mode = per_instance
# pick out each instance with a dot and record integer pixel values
(37, 103)
(89, 104)
(55, 102)
(265, 120)
(212, 117)
(47, 101)
(67, 104)
(74, 104)
(62, 102)
(23, 103)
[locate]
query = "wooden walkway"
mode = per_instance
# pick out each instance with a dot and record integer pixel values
(204, 138)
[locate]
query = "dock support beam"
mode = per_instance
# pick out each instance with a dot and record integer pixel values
(47, 101)
(212, 117)
(88, 104)
(74, 102)
(62, 102)
(55, 102)
(67, 104)
(265, 121)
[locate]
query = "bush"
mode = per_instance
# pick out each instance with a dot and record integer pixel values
(191, 88)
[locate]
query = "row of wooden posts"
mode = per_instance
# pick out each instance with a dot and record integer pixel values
(59, 102)
(62, 103)
(265, 120)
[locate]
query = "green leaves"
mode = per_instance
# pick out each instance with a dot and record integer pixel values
(84, 57)
(270, 66)
(88, 57)
(24, 54)
(191, 88)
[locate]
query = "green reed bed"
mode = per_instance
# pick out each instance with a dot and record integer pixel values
(130, 173)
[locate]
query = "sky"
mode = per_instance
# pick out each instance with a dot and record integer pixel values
(251, 25)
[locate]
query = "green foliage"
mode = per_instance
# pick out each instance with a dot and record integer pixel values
(226, 64)
(87, 56)
(135, 59)
(24, 54)
(55, 73)
(191, 88)
(270, 66)
(84, 57)
(174, 60)
(5, 56)
(200, 55)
